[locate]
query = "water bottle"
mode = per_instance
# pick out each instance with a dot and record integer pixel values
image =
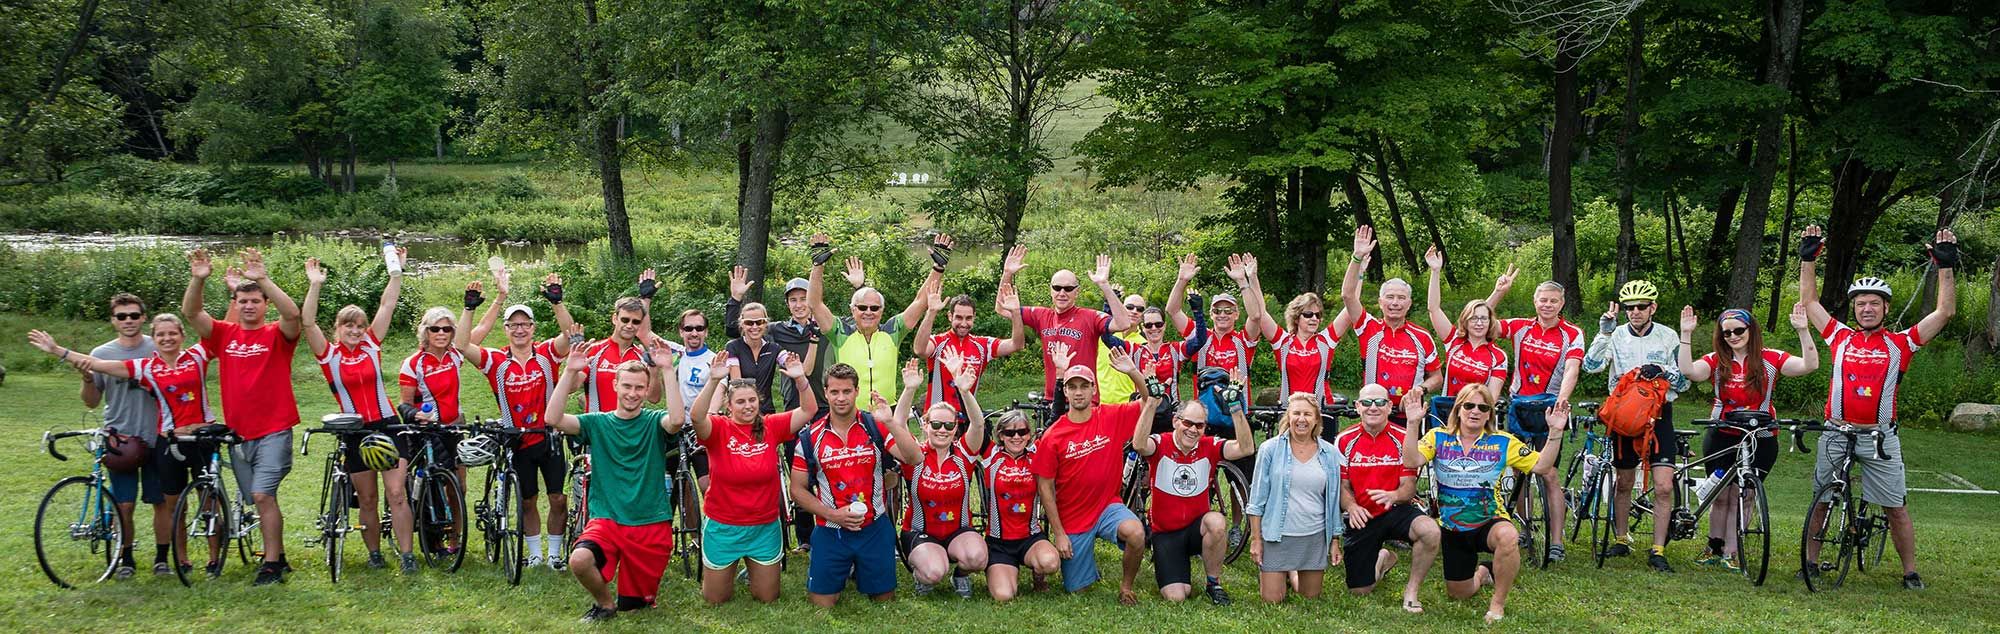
(429, 409)
(389, 258)
(1706, 486)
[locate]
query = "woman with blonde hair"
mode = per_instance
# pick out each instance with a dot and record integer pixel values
(1471, 356)
(351, 362)
(1294, 504)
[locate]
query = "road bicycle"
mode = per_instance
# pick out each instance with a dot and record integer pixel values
(437, 499)
(500, 513)
(684, 496)
(1753, 552)
(1848, 523)
(208, 521)
(77, 533)
(579, 495)
(336, 492)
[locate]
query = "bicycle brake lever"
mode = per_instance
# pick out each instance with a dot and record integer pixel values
(1799, 439)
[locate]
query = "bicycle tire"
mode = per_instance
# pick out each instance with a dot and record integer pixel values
(101, 532)
(1136, 491)
(579, 502)
(201, 522)
(333, 529)
(1878, 536)
(507, 513)
(1599, 506)
(1233, 498)
(1753, 531)
(1522, 503)
(688, 541)
(485, 518)
(1831, 531)
(245, 527)
(452, 517)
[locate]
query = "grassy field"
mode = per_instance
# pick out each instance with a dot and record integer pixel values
(1955, 533)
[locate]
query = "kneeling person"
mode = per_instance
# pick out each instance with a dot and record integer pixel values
(1183, 465)
(839, 475)
(1376, 494)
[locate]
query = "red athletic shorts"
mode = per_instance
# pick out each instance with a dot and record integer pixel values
(636, 555)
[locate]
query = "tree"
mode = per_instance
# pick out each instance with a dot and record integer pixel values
(394, 102)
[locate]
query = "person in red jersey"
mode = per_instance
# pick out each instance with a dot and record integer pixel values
(1548, 354)
(1869, 360)
(256, 379)
(977, 351)
(1746, 375)
(351, 362)
(1376, 493)
(1304, 347)
(937, 513)
(741, 511)
(1395, 353)
(629, 332)
(1077, 474)
(1064, 322)
(520, 377)
(840, 475)
(1230, 346)
(1015, 535)
(1183, 464)
(1470, 352)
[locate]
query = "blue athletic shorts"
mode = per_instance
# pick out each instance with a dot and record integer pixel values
(868, 556)
(1080, 570)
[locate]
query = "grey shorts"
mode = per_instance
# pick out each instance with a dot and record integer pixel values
(262, 463)
(1288, 554)
(1882, 482)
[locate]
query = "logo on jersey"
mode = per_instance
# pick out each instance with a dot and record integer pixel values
(739, 448)
(243, 350)
(1077, 449)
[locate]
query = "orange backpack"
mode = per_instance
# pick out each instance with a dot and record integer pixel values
(1633, 406)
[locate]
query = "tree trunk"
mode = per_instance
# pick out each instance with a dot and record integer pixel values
(1357, 199)
(1782, 30)
(1562, 215)
(1993, 308)
(1423, 208)
(1860, 194)
(312, 162)
(1627, 257)
(1410, 261)
(85, 25)
(1785, 232)
(1712, 271)
(753, 218)
(440, 141)
(608, 153)
(352, 165)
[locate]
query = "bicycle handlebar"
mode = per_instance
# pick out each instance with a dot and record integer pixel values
(49, 440)
(1800, 427)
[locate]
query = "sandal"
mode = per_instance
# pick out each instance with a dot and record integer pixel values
(1413, 606)
(1492, 618)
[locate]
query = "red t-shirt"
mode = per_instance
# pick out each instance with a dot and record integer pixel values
(1466, 364)
(1867, 369)
(1079, 327)
(1013, 504)
(1085, 460)
(179, 387)
(743, 470)
(256, 374)
(977, 351)
(1181, 480)
(1305, 364)
(942, 503)
(436, 380)
(1399, 358)
(601, 395)
(1737, 394)
(849, 468)
(1540, 353)
(355, 374)
(1374, 462)
(1224, 350)
(521, 388)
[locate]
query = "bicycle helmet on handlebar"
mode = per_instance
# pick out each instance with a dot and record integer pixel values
(379, 452)
(478, 451)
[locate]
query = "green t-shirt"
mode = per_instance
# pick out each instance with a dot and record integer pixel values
(628, 467)
(874, 358)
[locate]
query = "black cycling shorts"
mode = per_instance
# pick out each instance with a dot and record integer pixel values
(538, 464)
(1362, 544)
(1460, 550)
(1717, 442)
(1625, 451)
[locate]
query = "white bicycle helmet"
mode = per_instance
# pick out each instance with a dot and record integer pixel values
(1874, 285)
(478, 451)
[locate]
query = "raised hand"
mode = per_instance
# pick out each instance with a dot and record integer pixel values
(43, 341)
(1433, 258)
(1010, 301)
(1506, 280)
(879, 406)
(1235, 269)
(1688, 319)
(1364, 240)
(198, 264)
(576, 361)
(1061, 354)
(232, 277)
(315, 274)
(1610, 312)
(821, 247)
(663, 356)
(791, 365)
(1558, 418)
(472, 297)
(1798, 317)
(913, 373)
(739, 282)
(552, 289)
(1017, 259)
(1944, 249)
(1121, 361)
(719, 364)
(402, 257)
(1101, 274)
(952, 360)
(1414, 409)
(649, 283)
(253, 264)
(1188, 268)
(856, 274)
(933, 296)
(1250, 265)
(1811, 241)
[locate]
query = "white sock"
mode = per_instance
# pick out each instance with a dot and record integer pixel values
(534, 545)
(555, 542)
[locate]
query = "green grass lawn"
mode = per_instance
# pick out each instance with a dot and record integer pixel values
(1955, 533)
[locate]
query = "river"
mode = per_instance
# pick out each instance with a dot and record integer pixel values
(427, 252)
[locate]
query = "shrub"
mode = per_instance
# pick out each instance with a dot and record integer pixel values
(532, 227)
(69, 213)
(515, 187)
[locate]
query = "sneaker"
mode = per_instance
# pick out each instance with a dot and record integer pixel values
(1620, 549)
(922, 588)
(743, 576)
(184, 568)
(123, 571)
(534, 561)
(963, 586)
(598, 613)
(1658, 562)
(269, 573)
(213, 569)
(409, 563)
(1555, 553)
(1217, 595)
(161, 569)
(1811, 570)
(558, 563)
(375, 560)
(1913, 582)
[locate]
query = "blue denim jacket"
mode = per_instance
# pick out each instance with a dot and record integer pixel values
(1271, 487)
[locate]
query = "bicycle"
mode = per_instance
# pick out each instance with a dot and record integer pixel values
(436, 497)
(80, 511)
(1683, 520)
(499, 515)
(206, 516)
(1848, 523)
(1588, 483)
(336, 493)
(684, 496)
(579, 495)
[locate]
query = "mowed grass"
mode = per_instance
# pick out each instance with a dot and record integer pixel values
(1955, 534)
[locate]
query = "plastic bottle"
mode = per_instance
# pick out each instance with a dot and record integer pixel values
(429, 409)
(1706, 486)
(389, 256)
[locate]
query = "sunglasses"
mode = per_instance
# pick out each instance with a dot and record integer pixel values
(1190, 423)
(1632, 307)
(127, 316)
(943, 424)
(1476, 406)
(1063, 289)
(702, 328)
(1309, 314)
(1735, 332)
(438, 329)
(630, 321)
(755, 322)
(1014, 433)
(1154, 324)
(863, 308)
(1373, 402)
(1134, 307)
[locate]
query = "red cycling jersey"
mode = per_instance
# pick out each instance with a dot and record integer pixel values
(1013, 505)
(355, 375)
(743, 470)
(436, 380)
(1737, 394)
(942, 503)
(978, 351)
(1163, 364)
(1078, 327)
(1181, 480)
(180, 387)
(1374, 462)
(1399, 358)
(601, 394)
(1540, 353)
(1305, 364)
(521, 386)
(1466, 364)
(1867, 369)
(1225, 350)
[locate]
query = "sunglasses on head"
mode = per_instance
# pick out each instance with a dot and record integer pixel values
(695, 328)
(1633, 307)
(127, 316)
(1062, 288)
(1735, 332)
(1373, 402)
(867, 308)
(1154, 324)
(1309, 314)
(1014, 433)
(1476, 406)
(438, 329)
(630, 321)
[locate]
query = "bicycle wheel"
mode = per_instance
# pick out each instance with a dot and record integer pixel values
(443, 521)
(1525, 502)
(333, 525)
(1832, 532)
(579, 502)
(506, 509)
(1877, 536)
(1597, 504)
(1231, 496)
(76, 532)
(202, 538)
(687, 538)
(484, 519)
(1137, 490)
(1753, 531)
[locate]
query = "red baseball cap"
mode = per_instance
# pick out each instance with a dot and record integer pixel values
(1080, 372)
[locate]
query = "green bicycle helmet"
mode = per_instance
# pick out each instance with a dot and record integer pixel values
(1638, 291)
(379, 452)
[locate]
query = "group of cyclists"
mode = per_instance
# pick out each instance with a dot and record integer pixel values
(811, 417)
